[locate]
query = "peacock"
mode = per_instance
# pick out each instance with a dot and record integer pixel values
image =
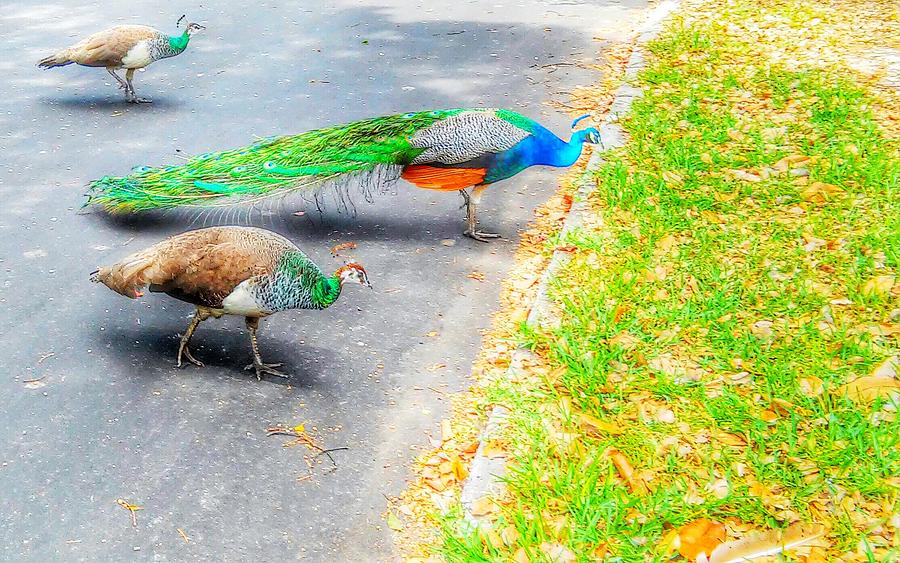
(243, 271)
(446, 150)
(125, 46)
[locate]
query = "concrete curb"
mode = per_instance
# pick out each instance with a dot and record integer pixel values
(485, 474)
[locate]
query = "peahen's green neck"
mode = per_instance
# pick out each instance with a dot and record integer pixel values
(326, 291)
(180, 42)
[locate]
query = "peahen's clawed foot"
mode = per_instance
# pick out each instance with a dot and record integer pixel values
(137, 100)
(480, 236)
(262, 368)
(186, 352)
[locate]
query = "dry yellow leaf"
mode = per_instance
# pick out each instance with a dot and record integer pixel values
(557, 553)
(521, 556)
(746, 176)
(878, 286)
(484, 506)
(819, 192)
(811, 386)
(595, 426)
(459, 470)
(869, 388)
(446, 430)
(626, 471)
(624, 340)
(699, 536)
(393, 522)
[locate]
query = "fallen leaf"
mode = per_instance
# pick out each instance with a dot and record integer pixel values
(484, 506)
(459, 470)
(597, 427)
(437, 366)
(887, 368)
(811, 386)
(626, 471)
(878, 286)
(772, 542)
(299, 429)
(336, 249)
(820, 192)
(762, 329)
(869, 388)
(476, 275)
(557, 553)
(393, 522)
(624, 340)
(446, 430)
(746, 176)
(699, 536)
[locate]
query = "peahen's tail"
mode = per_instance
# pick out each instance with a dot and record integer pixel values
(269, 167)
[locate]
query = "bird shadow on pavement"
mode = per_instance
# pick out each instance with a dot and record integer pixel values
(224, 353)
(94, 102)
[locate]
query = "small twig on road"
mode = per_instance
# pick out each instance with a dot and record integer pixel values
(34, 380)
(45, 356)
(183, 535)
(132, 508)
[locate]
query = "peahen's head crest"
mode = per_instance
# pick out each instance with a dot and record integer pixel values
(353, 272)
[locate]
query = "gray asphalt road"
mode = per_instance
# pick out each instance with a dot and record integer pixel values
(111, 417)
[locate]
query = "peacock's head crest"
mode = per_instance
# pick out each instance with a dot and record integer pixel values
(590, 135)
(353, 272)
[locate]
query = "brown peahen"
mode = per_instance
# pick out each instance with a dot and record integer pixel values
(230, 271)
(125, 46)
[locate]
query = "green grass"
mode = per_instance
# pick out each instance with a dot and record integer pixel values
(732, 253)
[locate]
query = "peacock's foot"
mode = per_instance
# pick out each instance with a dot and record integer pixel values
(480, 235)
(186, 352)
(136, 100)
(262, 368)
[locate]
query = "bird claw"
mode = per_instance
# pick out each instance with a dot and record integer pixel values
(262, 368)
(136, 100)
(480, 235)
(187, 354)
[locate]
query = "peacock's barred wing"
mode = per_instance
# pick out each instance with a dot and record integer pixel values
(282, 164)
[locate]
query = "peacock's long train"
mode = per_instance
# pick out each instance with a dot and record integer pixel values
(448, 150)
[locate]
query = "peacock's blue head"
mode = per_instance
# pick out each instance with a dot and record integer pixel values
(590, 135)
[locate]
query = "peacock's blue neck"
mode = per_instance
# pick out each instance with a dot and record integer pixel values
(541, 148)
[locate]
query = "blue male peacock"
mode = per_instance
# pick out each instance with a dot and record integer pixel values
(230, 271)
(125, 46)
(449, 150)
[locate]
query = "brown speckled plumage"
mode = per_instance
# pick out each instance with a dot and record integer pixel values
(229, 271)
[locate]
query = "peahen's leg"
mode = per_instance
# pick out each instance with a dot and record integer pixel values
(133, 98)
(258, 365)
(472, 201)
(122, 84)
(183, 349)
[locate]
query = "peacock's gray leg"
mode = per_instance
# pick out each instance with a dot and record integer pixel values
(472, 201)
(122, 84)
(258, 365)
(183, 349)
(133, 98)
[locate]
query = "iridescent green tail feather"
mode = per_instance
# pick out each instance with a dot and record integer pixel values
(269, 167)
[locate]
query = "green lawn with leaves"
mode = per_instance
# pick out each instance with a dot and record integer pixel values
(728, 318)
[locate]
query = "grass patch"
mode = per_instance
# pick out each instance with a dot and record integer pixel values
(744, 271)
